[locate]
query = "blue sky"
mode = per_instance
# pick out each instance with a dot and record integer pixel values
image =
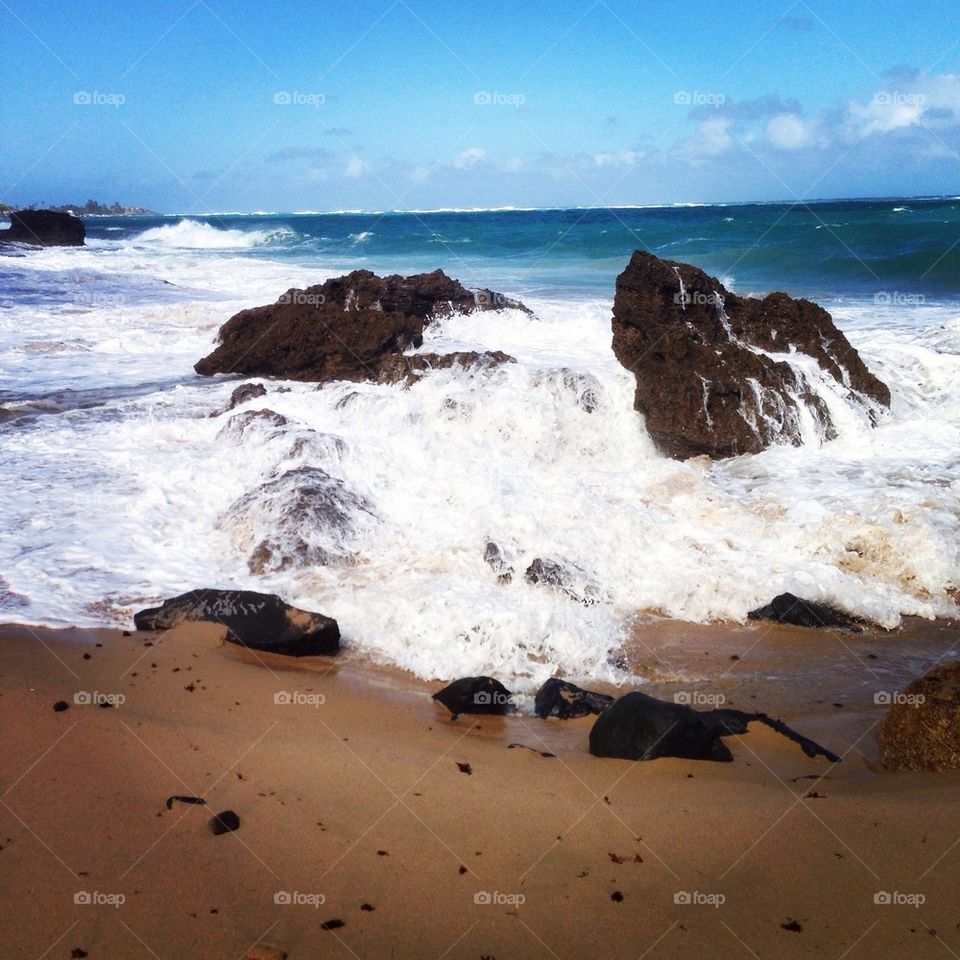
(206, 105)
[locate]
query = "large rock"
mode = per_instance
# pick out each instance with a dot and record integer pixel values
(483, 695)
(710, 366)
(921, 730)
(44, 228)
(342, 329)
(261, 621)
(638, 727)
(398, 368)
(797, 612)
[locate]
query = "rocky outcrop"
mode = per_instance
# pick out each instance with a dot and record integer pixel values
(261, 621)
(483, 695)
(44, 228)
(566, 701)
(921, 730)
(304, 517)
(398, 368)
(711, 370)
(342, 329)
(638, 727)
(803, 613)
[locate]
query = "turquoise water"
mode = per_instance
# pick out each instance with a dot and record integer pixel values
(824, 249)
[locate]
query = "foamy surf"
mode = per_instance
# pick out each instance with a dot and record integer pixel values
(140, 494)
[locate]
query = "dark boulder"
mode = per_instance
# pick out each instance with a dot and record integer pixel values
(246, 392)
(566, 701)
(921, 730)
(397, 368)
(342, 329)
(261, 621)
(638, 727)
(44, 228)
(803, 613)
(475, 695)
(705, 378)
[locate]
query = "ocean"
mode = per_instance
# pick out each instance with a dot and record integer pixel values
(120, 485)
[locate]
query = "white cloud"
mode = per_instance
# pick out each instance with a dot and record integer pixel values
(625, 158)
(908, 101)
(713, 138)
(355, 167)
(787, 131)
(470, 158)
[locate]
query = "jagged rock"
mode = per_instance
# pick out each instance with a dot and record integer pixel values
(921, 730)
(261, 621)
(803, 613)
(496, 559)
(563, 577)
(566, 701)
(304, 517)
(638, 727)
(44, 228)
(475, 695)
(341, 329)
(706, 380)
(398, 367)
(245, 392)
(237, 426)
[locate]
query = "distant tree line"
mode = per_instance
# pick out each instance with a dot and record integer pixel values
(90, 208)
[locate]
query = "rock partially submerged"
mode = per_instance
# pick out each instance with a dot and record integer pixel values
(398, 368)
(482, 695)
(638, 727)
(44, 228)
(797, 612)
(711, 368)
(921, 730)
(261, 621)
(343, 329)
(566, 701)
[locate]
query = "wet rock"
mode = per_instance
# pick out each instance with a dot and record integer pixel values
(241, 423)
(482, 695)
(342, 329)
(638, 727)
(244, 393)
(564, 577)
(261, 621)
(398, 368)
(496, 559)
(305, 517)
(566, 701)
(921, 730)
(803, 613)
(710, 367)
(224, 822)
(44, 228)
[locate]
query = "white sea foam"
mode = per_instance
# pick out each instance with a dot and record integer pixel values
(198, 235)
(146, 495)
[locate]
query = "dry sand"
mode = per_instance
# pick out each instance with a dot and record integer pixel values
(359, 800)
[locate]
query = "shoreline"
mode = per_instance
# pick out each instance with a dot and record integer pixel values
(322, 787)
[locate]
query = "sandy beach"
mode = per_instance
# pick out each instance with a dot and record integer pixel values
(373, 825)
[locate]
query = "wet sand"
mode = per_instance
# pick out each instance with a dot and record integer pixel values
(359, 801)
